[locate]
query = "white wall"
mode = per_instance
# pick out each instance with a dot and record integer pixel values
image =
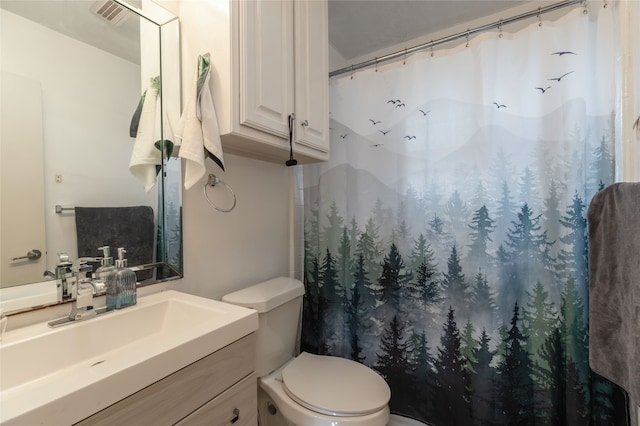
(224, 252)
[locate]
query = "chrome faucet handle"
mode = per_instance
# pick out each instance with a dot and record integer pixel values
(82, 305)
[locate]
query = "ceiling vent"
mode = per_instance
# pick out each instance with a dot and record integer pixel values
(110, 11)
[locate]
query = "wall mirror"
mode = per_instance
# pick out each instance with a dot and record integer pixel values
(73, 76)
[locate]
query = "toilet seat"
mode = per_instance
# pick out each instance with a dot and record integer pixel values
(334, 386)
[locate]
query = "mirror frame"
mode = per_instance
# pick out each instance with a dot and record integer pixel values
(169, 264)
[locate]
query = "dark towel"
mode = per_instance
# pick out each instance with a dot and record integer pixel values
(130, 227)
(614, 285)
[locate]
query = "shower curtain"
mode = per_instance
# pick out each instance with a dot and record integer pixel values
(445, 240)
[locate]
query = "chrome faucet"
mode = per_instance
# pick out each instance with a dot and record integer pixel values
(82, 304)
(81, 296)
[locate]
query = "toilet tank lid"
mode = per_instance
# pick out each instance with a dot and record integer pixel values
(267, 295)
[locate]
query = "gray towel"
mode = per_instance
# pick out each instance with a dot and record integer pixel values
(614, 285)
(130, 227)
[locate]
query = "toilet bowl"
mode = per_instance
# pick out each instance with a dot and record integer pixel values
(306, 390)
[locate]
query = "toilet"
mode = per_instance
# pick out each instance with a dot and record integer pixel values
(306, 390)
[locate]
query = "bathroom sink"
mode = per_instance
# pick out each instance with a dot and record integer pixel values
(62, 375)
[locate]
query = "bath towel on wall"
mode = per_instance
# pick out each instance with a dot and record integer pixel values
(614, 289)
(130, 227)
(198, 133)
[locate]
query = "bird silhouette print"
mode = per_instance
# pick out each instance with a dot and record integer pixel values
(374, 121)
(543, 89)
(375, 145)
(384, 132)
(343, 136)
(396, 101)
(424, 112)
(561, 77)
(409, 137)
(499, 105)
(566, 52)
(400, 105)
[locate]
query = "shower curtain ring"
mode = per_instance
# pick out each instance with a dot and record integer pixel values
(404, 61)
(539, 16)
(351, 72)
(585, 11)
(376, 64)
(605, 4)
(431, 48)
(500, 29)
(467, 45)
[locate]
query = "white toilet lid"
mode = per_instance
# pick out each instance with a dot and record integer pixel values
(334, 386)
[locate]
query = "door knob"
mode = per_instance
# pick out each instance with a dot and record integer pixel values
(34, 254)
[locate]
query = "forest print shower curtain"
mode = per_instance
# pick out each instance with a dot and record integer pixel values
(445, 241)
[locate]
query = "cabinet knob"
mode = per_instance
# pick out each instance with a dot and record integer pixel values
(305, 123)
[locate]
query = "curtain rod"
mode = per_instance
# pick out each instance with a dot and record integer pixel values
(498, 24)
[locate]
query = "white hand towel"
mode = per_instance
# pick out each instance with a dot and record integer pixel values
(198, 130)
(145, 156)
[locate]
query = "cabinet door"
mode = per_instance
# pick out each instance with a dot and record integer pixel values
(312, 74)
(266, 65)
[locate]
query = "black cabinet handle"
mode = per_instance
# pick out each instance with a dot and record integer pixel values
(236, 416)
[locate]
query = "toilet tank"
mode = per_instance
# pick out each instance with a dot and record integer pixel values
(279, 305)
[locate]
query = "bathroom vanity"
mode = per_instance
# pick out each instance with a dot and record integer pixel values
(219, 389)
(174, 358)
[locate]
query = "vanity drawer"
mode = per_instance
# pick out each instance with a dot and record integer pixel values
(240, 403)
(171, 399)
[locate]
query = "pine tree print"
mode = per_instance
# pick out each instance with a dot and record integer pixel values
(393, 365)
(452, 403)
(455, 288)
(515, 387)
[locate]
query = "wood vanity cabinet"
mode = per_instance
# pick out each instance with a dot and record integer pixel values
(269, 60)
(219, 389)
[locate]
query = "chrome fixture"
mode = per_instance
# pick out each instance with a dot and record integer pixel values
(78, 287)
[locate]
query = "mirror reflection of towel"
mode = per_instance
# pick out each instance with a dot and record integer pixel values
(198, 132)
(145, 156)
(130, 227)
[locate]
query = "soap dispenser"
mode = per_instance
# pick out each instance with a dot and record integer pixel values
(106, 264)
(113, 292)
(125, 280)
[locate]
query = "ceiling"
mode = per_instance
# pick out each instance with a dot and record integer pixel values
(356, 27)
(76, 20)
(361, 27)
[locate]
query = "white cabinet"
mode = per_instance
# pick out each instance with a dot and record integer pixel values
(269, 60)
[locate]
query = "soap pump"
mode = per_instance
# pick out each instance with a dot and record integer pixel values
(106, 264)
(125, 280)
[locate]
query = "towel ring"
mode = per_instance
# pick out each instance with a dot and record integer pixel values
(213, 181)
